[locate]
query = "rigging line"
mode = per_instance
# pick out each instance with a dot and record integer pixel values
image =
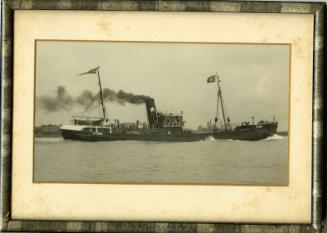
(243, 109)
(223, 102)
(89, 107)
(225, 107)
(248, 111)
(217, 108)
(236, 101)
(240, 104)
(80, 113)
(233, 91)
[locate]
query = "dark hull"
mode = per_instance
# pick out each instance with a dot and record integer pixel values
(247, 135)
(250, 135)
(75, 135)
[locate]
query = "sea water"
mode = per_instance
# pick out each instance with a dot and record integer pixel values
(210, 161)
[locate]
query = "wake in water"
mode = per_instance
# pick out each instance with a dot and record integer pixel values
(273, 137)
(210, 139)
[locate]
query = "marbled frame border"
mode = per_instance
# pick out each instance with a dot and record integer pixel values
(8, 7)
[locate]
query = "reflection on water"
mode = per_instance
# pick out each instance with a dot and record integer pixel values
(209, 161)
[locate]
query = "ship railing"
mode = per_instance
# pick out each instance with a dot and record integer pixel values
(87, 117)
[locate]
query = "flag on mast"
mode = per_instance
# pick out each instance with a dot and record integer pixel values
(211, 79)
(91, 71)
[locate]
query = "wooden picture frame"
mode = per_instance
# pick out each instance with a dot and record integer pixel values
(9, 224)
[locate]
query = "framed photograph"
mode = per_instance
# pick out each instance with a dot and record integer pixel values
(162, 116)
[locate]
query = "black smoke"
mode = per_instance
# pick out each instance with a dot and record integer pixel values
(62, 100)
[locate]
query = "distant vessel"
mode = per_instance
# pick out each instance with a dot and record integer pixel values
(160, 126)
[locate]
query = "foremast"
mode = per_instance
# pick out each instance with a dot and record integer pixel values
(101, 93)
(96, 71)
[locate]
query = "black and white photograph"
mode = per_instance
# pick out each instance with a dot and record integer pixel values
(161, 113)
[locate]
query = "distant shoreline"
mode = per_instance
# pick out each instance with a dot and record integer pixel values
(48, 136)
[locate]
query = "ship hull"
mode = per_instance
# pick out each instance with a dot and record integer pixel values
(81, 136)
(248, 132)
(248, 135)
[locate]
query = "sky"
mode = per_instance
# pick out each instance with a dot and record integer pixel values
(254, 79)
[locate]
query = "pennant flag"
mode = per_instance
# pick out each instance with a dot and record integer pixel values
(211, 79)
(92, 71)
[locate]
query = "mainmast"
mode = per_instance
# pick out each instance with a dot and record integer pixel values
(101, 95)
(220, 97)
(217, 109)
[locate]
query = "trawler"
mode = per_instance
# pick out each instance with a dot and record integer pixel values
(160, 126)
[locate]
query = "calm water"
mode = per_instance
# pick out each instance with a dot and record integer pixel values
(209, 161)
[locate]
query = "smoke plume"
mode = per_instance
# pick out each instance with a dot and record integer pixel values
(62, 100)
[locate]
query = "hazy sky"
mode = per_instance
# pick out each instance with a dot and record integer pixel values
(254, 78)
